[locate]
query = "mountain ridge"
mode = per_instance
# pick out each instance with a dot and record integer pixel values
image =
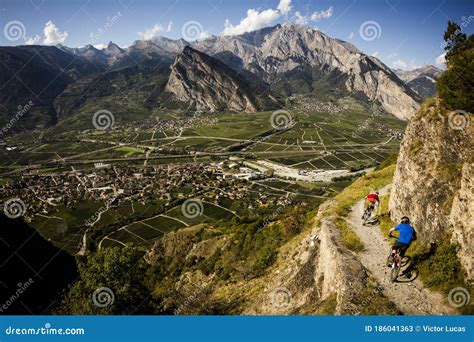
(286, 59)
(209, 84)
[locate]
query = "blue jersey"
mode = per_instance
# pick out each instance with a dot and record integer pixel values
(406, 233)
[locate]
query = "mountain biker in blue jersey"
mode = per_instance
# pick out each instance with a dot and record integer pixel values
(407, 234)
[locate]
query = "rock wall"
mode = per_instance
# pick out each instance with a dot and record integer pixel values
(311, 271)
(433, 182)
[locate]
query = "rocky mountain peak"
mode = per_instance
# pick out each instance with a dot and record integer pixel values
(113, 48)
(422, 80)
(204, 82)
(275, 52)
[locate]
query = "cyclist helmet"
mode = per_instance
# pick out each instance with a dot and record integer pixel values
(405, 219)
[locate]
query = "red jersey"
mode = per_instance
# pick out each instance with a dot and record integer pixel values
(373, 198)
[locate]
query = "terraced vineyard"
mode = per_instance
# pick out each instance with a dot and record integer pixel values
(323, 145)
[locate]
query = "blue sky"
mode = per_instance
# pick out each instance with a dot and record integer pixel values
(402, 33)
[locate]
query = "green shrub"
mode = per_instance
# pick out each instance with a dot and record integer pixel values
(455, 87)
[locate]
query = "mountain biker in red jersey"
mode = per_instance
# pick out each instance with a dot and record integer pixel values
(371, 199)
(407, 234)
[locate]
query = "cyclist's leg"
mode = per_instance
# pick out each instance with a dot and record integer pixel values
(403, 249)
(392, 251)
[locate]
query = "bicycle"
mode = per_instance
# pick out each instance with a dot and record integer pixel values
(367, 213)
(396, 260)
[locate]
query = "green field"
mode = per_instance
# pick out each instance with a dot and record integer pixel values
(352, 139)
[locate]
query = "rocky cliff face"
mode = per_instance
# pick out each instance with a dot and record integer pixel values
(206, 83)
(315, 269)
(312, 270)
(278, 50)
(434, 179)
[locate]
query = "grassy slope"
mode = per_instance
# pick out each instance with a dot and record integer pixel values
(339, 210)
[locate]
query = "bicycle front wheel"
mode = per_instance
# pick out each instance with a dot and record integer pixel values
(394, 273)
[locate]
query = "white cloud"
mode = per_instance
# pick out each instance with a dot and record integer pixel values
(413, 64)
(322, 15)
(441, 59)
(392, 55)
(375, 54)
(52, 35)
(203, 35)
(284, 6)
(351, 35)
(300, 19)
(100, 46)
(256, 20)
(399, 64)
(33, 40)
(253, 21)
(154, 31)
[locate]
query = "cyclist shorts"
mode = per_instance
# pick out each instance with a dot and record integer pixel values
(402, 248)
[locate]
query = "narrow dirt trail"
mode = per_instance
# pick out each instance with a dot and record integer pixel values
(408, 294)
